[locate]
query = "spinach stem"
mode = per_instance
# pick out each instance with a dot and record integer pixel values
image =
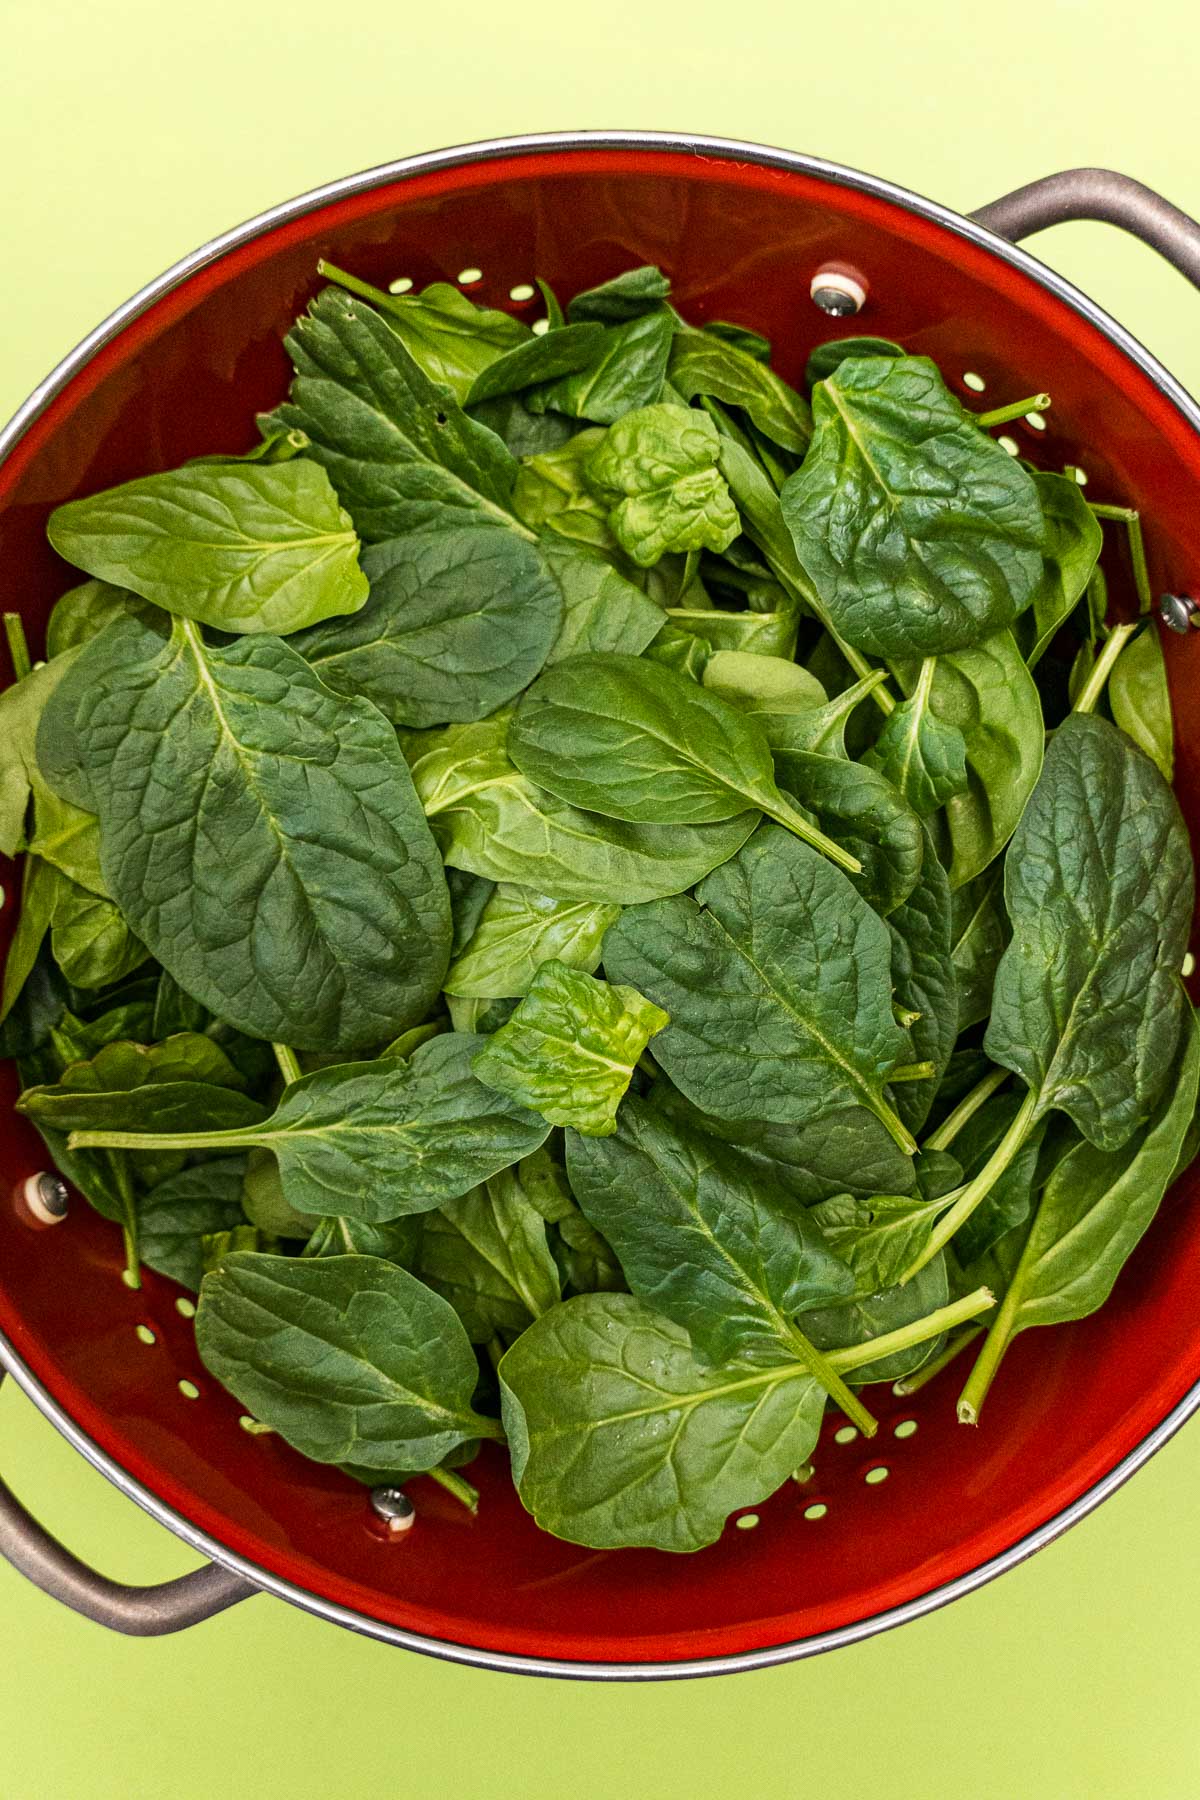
(454, 1484)
(912, 1071)
(133, 1267)
(968, 1106)
(18, 648)
(912, 1384)
(794, 821)
(1093, 687)
(1132, 521)
(353, 285)
(289, 1063)
(823, 1370)
(1017, 409)
(919, 1332)
(965, 1199)
(999, 1337)
(163, 1140)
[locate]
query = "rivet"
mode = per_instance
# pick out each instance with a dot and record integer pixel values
(1178, 612)
(393, 1506)
(46, 1197)
(837, 293)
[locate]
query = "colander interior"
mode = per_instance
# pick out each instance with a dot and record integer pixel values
(878, 1524)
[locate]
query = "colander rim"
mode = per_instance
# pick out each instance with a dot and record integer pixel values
(487, 150)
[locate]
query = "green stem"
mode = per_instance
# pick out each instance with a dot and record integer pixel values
(919, 1332)
(1132, 521)
(968, 1106)
(999, 1337)
(1018, 409)
(1093, 687)
(352, 285)
(783, 814)
(18, 649)
(824, 1372)
(289, 1063)
(968, 1197)
(164, 1140)
(454, 1484)
(912, 1384)
(495, 1351)
(924, 685)
(912, 1071)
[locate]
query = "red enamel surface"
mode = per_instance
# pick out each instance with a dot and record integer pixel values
(740, 242)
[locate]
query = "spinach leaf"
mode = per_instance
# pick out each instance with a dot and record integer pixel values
(877, 1238)
(1087, 1003)
(346, 1357)
(861, 810)
(539, 359)
(765, 687)
(922, 755)
(827, 357)
(451, 339)
(919, 532)
(569, 1049)
(92, 944)
(81, 612)
(750, 632)
(489, 819)
(777, 979)
(1070, 547)
(620, 1435)
(602, 611)
(869, 1316)
(398, 1240)
(1009, 1199)
(1140, 702)
(703, 364)
(550, 494)
(488, 1255)
(246, 810)
(979, 933)
(656, 468)
(41, 885)
(461, 617)
(629, 295)
(178, 1212)
(988, 695)
(265, 1204)
(700, 1239)
(626, 370)
(517, 931)
(376, 1140)
(629, 740)
(395, 445)
(523, 433)
(21, 709)
(742, 337)
(244, 547)
(925, 982)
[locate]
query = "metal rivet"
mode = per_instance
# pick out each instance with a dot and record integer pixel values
(837, 293)
(393, 1506)
(46, 1197)
(1178, 611)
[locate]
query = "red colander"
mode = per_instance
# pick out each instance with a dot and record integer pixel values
(884, 1531)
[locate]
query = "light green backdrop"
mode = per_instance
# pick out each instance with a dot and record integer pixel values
(129, 132)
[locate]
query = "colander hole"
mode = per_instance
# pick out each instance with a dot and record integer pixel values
(540, 327)
(189, 1390)
(401, 285)
(185, 1308)
(1010, 444)
(874, 1476)
(1188, 966)
(1036, 420)
(145, 1335)
(975, 382)
(747, 1522)
(846, 1434)
(816, 1511)
(906, 1428)
(804, 1473)
(468, 277)
(522, 291)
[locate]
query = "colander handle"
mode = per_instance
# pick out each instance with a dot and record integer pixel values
(136, 1611)
(1104, 196)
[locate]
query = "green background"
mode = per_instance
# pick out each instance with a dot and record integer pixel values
(130, 132)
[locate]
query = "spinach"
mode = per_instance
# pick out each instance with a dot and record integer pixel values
(777, 980)
(286, 817)
(346, 1357)
(245, 547)
(617, 736)
(92, 944)
(919, 532)
(625, 371)
(461, 617)
(1070, 548)
(922, 755)
(374, 1141)
(704, 364)
(517, 931)
(602, 611)
(551, 494)
(488, 1254)
(81, 612)
(979, 933)
(829, 356)
(657, 469)
(1141, 705)
(630, 295)
(179, 1211)
(925, 982)
(861, 810)
(452, 341)
(570, 1048)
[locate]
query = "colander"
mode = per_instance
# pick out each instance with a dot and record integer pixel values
(884, 1531)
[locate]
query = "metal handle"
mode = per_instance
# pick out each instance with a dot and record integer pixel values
(136, 1611)
(1104, 196)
